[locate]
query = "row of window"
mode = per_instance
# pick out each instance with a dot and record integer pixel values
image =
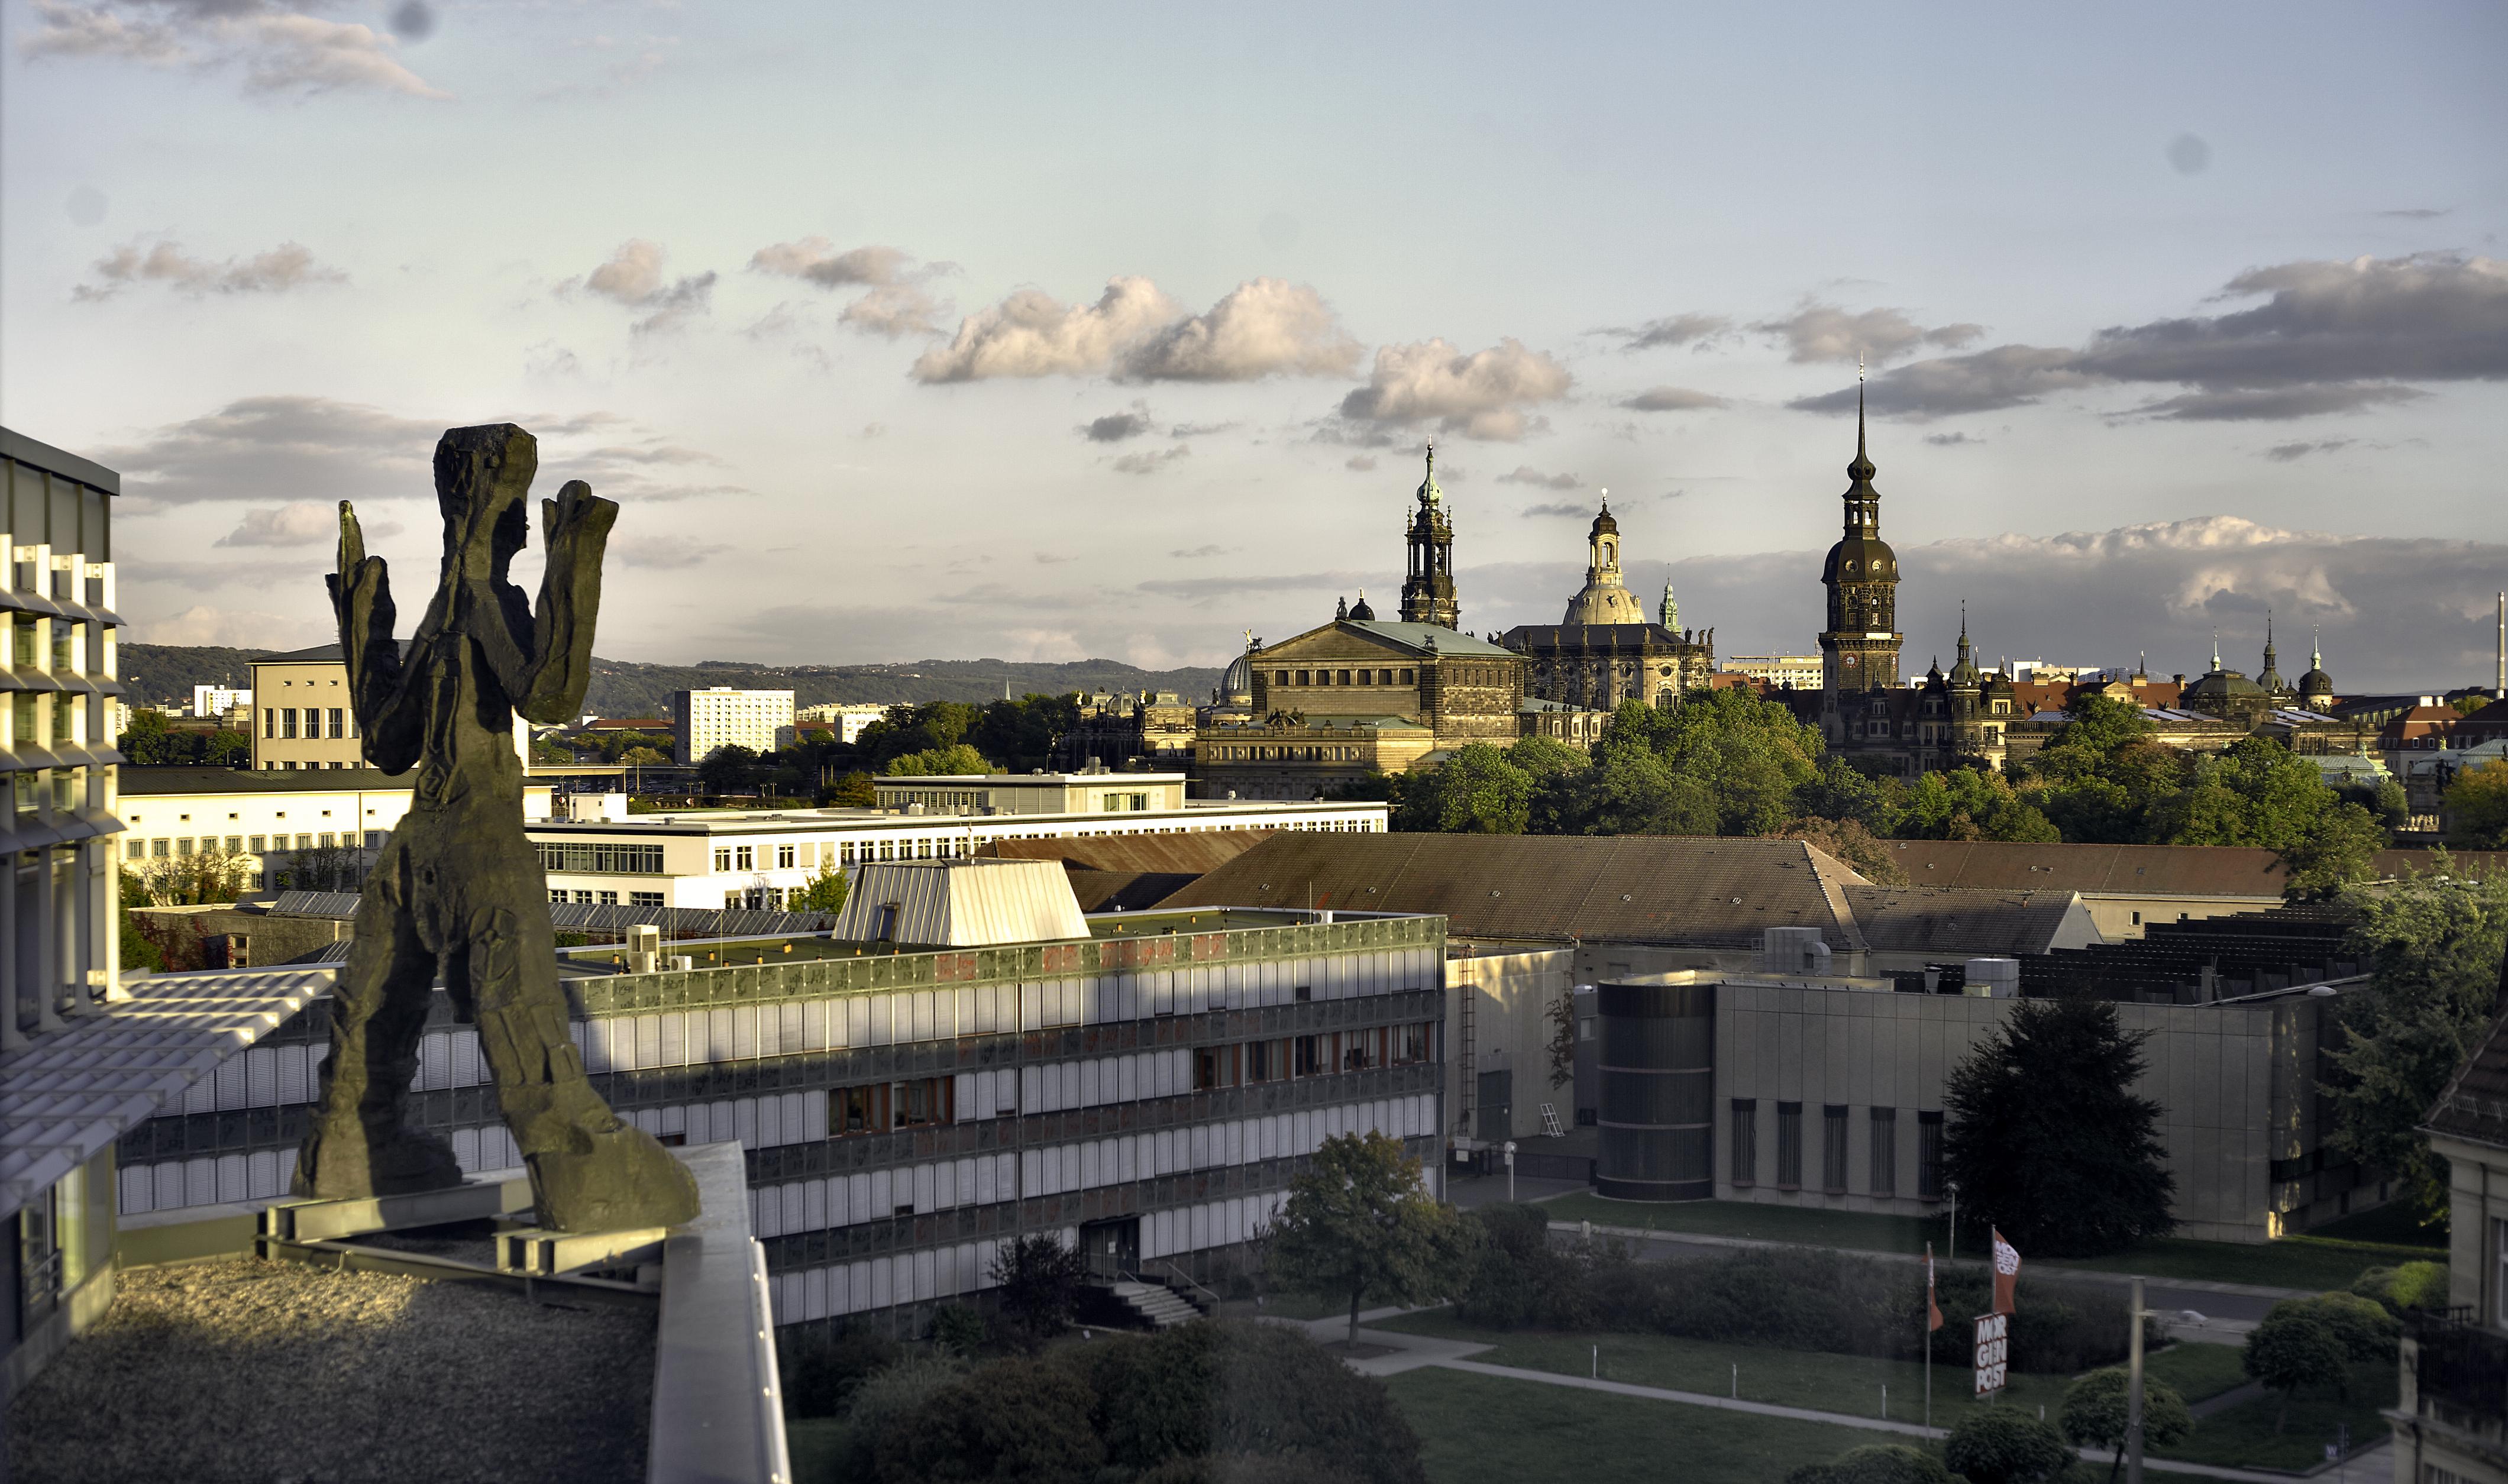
(1835, 1136)
(67, 788)
(280, 723)
(603, 859)
(181, 847)
(559, 896)
(1328, 678)
(1335, 753)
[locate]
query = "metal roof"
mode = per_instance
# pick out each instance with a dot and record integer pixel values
(1959, 922)
(979, 903)
(1196, 853)
(2180, 870)
(69, 1093)
(1424, 636)
(1667, 889)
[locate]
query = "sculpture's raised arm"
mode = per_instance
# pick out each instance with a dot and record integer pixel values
(391, 728)
(575, 527)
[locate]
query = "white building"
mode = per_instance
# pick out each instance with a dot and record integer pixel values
(270, 822)
(1101, 792)
(1800, 671)
(705, 722)
(849, 718)
(218, 700)
(747, 858)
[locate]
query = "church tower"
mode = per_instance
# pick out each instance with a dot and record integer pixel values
(1428, 591)
(1606, 597)
(1860, 649)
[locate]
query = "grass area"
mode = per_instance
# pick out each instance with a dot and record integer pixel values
(1793, 1378)
(2196, 1372)
(1484, 1429)
(2397, 1223)
(2243, 1436)
(2315, 1262)
(811, 1442)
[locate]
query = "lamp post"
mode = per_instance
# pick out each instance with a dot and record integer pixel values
(1950, 1249)
(1509, 1149)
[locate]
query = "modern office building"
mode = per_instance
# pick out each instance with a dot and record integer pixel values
(753, 859)
(1143, 1085)
(706, 721)
(849, 719)
(304, 829)
(58, 942)
(216, 702)
(1097, 792)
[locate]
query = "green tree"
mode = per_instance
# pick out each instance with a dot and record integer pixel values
(2368, 1332)
(2436, 945)
(1478, 791)
(1358, 1222)
(2404, 1288)
(1023, 1420)
(2292, 1350)
(227, 749)
(822, 893)
(1040, 1282)
(643, 757)
(1850, 843)
(1021, 733)
(2005, 1445)
(2047, 1138)
(940, 762)
(2475, 806)
(921, 728)
(729, 769)
(855, 790)
(2094, 1411)
(1972, 804)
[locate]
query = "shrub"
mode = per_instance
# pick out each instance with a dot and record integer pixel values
(2005, 1445)
(1025, 1420)
(821, 1369)
(1875, 1464)
(958, 1329)
(884, 1395)
(1519, 1277)
(2368, 1332)
(1040, 1282)
(2407, 1287)
(2095, 1407)
(2294, 1348)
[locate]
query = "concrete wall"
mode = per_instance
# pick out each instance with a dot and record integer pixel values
(1507, 999)
(2122, 917)
(2236, 1084)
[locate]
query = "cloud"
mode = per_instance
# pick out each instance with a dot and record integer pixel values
(815, 260)
(1824, 332)
(1359, 462)
(1264, 327)
(279, 51)
(1697, 331)
(1952, 439)
(413, 21)
(1673, 399)
(663, 553)
(1115, 427)
(2284, 453)
(2189, 154)
(2328, 337)
(2420, 213)
(1197, 552)
(892, 310)
(1032, 334)
(1050, 559)
(1147, 463)
(1567, 508)
(1526, 473)
(1481, 395)
(302, 523)
(1200, 429)
(2398, 613)
(1136, 332)
(634, 276)
(283, 268)
(229, 628)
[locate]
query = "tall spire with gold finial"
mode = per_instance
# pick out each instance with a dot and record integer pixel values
(1428, 587)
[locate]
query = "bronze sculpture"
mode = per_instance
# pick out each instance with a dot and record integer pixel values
(459, 886)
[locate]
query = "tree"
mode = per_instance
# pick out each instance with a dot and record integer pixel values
(2095, 1407)
(644, 757)
(940, 762)
(1358, 1221)
(1478, 791)
(2294, 1348)
(729, 769)
(1852, 846)
(1875, 1464)
(2045, 1137)
(1040, 1281)
(822, 893)
(855, 790)
(227, 749)
(1970, 804)
(1023, 1419)
(2005, 1445)
(2404, 1288)
(2436, 943)
(2475, 806)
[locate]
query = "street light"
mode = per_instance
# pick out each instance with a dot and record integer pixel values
(1509, 1149)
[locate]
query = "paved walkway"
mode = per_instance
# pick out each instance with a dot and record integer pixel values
(1410, 1352)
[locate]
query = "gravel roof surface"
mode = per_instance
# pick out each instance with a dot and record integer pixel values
(281, 1373)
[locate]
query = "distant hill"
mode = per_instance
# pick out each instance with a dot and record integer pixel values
(165, 674)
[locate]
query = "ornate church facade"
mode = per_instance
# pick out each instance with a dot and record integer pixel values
(1605, 650)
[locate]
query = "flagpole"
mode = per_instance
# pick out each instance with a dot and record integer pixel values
(1929, 1335)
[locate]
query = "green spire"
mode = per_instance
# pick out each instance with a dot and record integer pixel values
(1670, 610)
(1429, 494)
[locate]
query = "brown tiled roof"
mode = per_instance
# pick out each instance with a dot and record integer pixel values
(2187, 870)
(1957, 922)
(1186, 854)
(1702, 892)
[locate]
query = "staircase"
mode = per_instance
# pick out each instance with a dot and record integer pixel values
(1160, 1306)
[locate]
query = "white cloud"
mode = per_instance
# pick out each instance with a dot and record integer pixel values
(290, 265)
(1818, 332)
(815, 260)
(1484, 395)
(1526, 473)
(894, 310)
(1673, 399)
(1147, 463)
(301, 523)
(634, 276)
(205, 623)
(1262, 328)
(1032, 334)
(1136, 332)
(279, 51)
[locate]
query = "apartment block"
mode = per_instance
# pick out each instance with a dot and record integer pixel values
(706, 721)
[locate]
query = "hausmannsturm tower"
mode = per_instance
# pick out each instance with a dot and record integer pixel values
(1428, 590)
(1859, 648)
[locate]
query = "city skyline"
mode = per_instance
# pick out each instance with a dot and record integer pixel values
(1103, 351)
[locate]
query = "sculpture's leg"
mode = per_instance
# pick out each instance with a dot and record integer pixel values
(591, 1170)
(358, 1145)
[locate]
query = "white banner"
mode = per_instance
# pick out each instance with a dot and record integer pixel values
(1993, 1353)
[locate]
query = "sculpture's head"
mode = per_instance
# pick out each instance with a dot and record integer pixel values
(483, 484)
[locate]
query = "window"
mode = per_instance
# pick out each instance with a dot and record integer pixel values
(1305, 678)
(884, 1106)
(1262, 1061)
(1929, 1156)
(287, 724)
(1410, 1044)
(158, 848)
(1885, 1152)
(338, 726)
(1308, 1053)
(270, 721)
(1789, 1145)
(784, 856)
(1833, 1148)
(1214, 1067)
(744, 858)
(1279, 677)
(1406, 677)
(643, 899)
(1746, 1142)
(1303, 994)
(845, 853)
(599, 860)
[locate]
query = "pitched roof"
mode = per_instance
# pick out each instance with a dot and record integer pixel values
(1193, 854)
(1959, 922)
(1419, 635)
(1702, 892)
(2188, 871)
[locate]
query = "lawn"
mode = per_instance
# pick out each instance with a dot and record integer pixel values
(2243, 1436)
(2197, 1372)
(2314, 1262)
(1794, 1378)
(811, 1442)
(1485, 1430)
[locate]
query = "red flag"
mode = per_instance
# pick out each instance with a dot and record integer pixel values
(2007, 1273)
(1933, 1306)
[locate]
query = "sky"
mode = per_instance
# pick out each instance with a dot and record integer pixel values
(1051, 333)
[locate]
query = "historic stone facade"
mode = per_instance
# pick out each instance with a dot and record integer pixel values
(1603, 652)
(1860, 647)
(1429, 589)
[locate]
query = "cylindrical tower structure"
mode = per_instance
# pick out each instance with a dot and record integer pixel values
(1657, 1066)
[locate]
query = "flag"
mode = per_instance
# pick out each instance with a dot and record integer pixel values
(1933, 1305)
(2007, 1273)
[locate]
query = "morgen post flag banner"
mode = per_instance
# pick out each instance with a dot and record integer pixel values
(2007, 1273)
